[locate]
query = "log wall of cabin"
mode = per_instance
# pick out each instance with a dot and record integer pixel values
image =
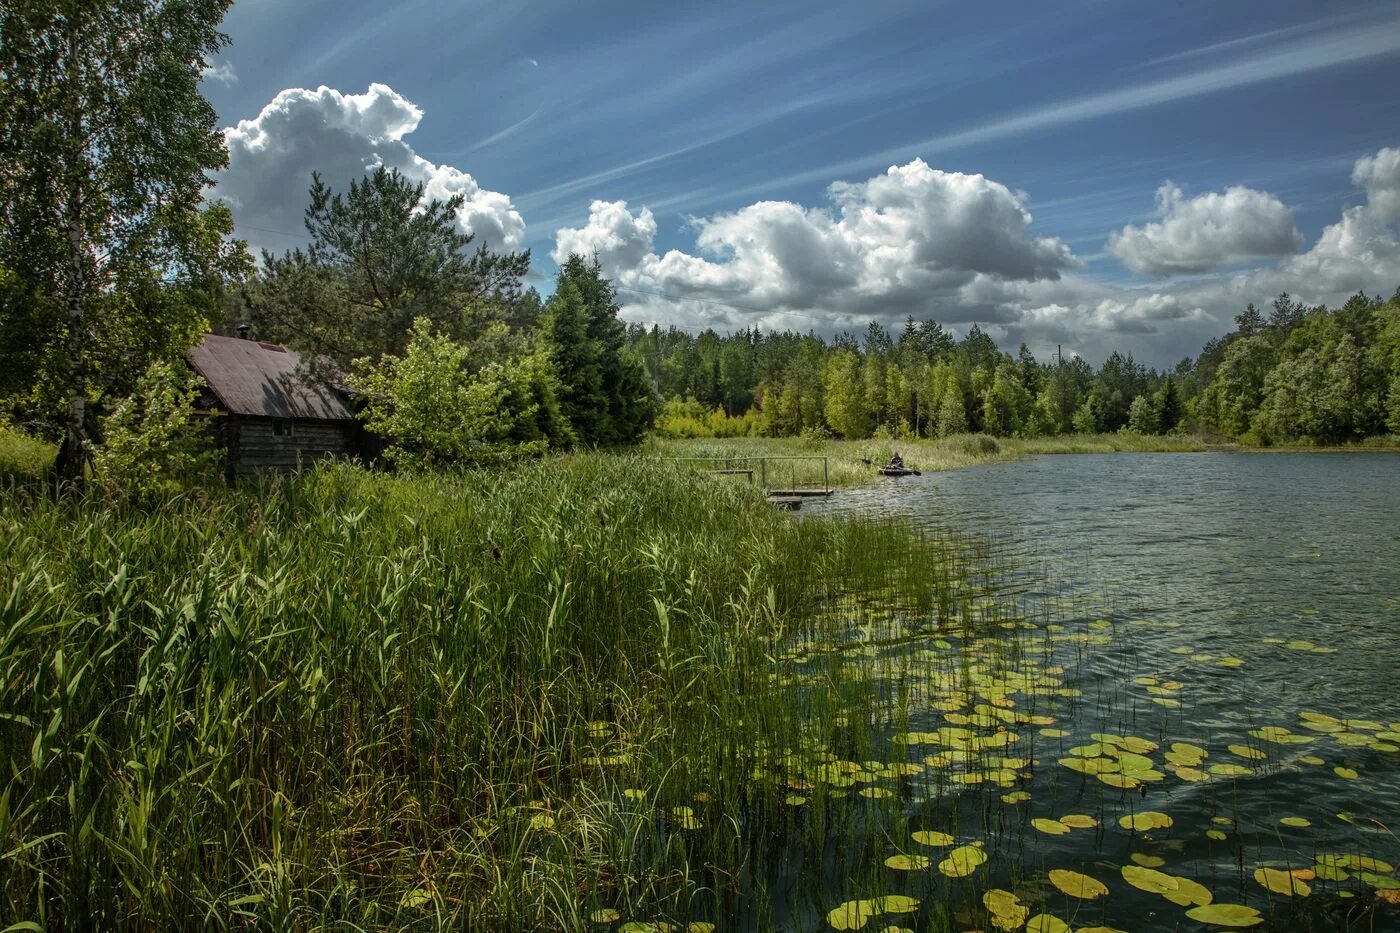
(253, 444)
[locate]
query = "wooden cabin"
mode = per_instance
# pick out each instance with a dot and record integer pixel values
(264, 411)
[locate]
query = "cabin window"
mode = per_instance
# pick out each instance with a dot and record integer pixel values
(282, 428)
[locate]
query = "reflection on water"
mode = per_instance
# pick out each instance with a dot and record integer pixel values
(1189, 700)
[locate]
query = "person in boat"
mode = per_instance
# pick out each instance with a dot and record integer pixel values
(896, 462)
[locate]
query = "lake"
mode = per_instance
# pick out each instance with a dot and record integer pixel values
(1203, 640)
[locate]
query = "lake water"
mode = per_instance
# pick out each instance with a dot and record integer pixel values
(1247, 605)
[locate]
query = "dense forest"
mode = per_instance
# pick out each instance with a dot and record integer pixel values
(1299, 374)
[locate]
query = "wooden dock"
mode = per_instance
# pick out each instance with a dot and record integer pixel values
(790, 503)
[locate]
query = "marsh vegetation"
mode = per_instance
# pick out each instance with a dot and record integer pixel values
(598, 693)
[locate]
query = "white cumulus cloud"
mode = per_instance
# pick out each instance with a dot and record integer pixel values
(914, 240)
(1207, 232)
(958, 248)
(342, 136)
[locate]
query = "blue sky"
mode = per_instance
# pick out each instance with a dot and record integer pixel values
(1046, 136)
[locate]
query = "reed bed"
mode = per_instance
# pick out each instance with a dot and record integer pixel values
(482, 700)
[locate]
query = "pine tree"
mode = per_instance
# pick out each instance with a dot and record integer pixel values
(604, 389)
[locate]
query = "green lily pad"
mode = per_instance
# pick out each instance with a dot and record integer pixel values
(1145, 820)
(1006, 909)
(962, 861)
(1046, 923)
(908, 862)
(1281, 882)
(1226, 915)
(932, 837)
(854, 915)
(1076, 885)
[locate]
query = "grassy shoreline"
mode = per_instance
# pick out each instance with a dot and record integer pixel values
(852, 462)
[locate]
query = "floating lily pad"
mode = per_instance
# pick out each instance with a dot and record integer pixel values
(854, 915)
(1344, 772)
(1147, 861)
(1145, 820)
(1008, 913)
(908, 862)
(1046, 923)
(1050, 827)
(605, 915)
(1216, 834)
(1076, 885)
(1226, 915)
(1298, 821)
(1281, 882)
(932, 837)
(962, 861)
(1079, 821)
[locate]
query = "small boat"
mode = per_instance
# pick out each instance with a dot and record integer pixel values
(898, 471)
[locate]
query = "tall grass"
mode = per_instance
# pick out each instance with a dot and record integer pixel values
(407, 700)
(22, 456)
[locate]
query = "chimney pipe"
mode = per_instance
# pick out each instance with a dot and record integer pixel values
(244, 329)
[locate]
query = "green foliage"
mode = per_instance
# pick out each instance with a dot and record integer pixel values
(1259, 381)
(382, 256)
(113, 257)
(440, 405)
(1007, 404)
(847, 409)
(1144, 417)
(681, 418)
(21, 456)
(604, 391)
(150, 445)
(282, 706)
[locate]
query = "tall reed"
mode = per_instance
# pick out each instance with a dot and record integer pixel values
(476, 699)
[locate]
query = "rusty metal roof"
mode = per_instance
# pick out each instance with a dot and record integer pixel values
(262, 379)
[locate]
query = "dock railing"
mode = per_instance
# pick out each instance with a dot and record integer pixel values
(769, 472)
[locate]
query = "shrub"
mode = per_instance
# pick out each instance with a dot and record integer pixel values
(150, 444)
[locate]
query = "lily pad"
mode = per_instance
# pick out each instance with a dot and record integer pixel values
(1046, 923)
(1281, 882)
(1226, 915)
(1144, 821)
(962, 861)
(854, 915)
(908, 862)
(932, 837)
(1050, 827)
(1298, 821)
(1008, 913)
(1076, 885)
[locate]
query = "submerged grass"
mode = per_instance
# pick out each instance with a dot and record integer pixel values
(483, 700)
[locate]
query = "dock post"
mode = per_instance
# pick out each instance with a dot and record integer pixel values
(826, 476)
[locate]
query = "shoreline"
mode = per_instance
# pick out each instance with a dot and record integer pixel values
(853, 463)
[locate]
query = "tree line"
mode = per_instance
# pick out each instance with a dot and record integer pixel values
(1305, 374)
